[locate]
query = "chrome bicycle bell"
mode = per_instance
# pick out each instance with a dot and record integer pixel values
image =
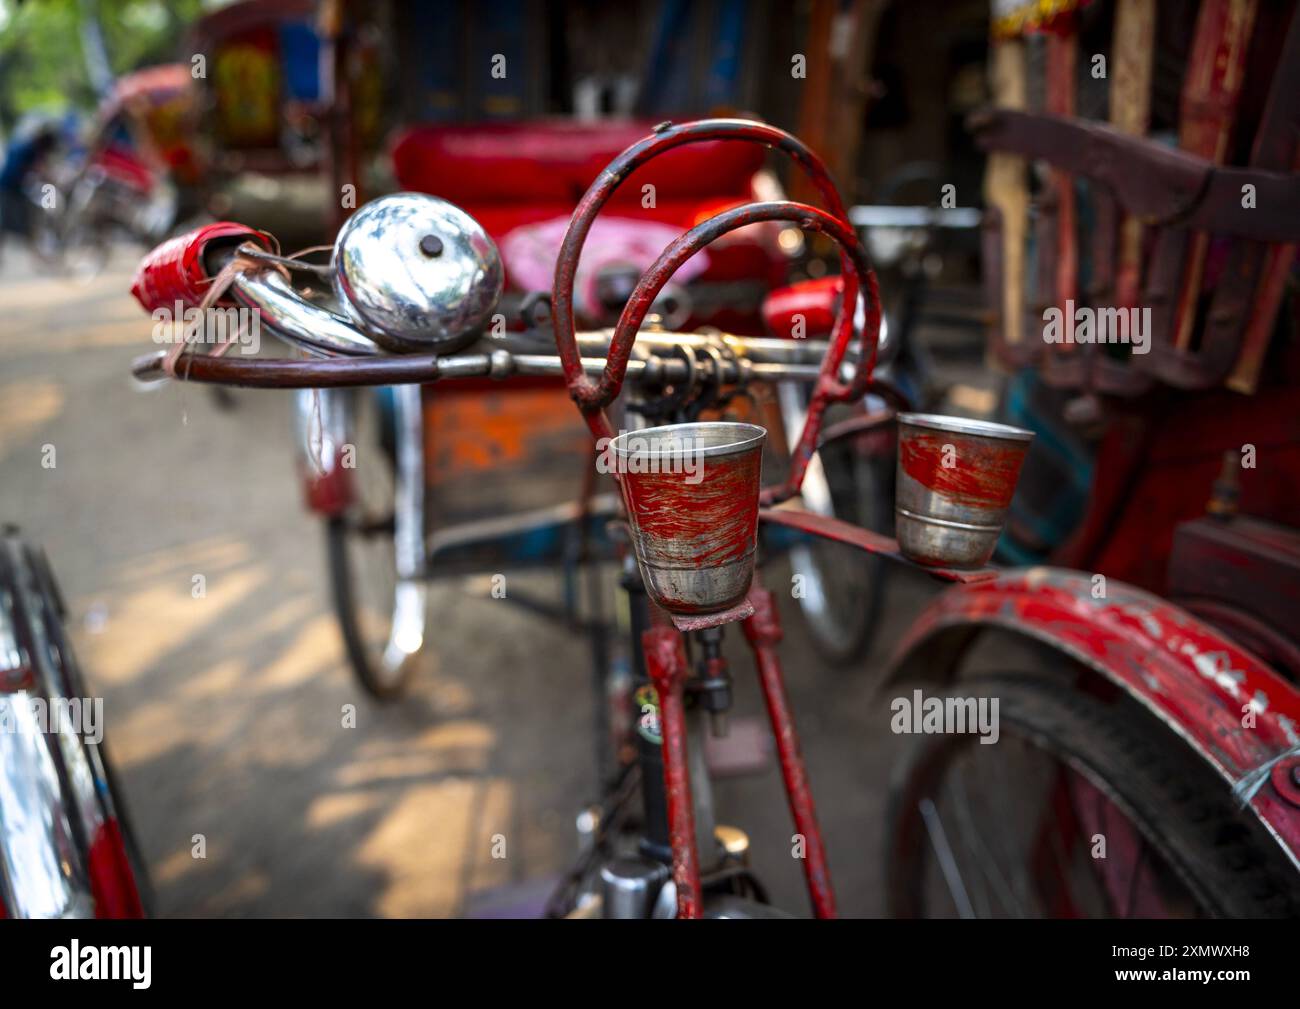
(416, 273)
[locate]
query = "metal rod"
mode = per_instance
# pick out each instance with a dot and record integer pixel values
(374, 369)
(763, 631)
(666, 664)
(867, 216)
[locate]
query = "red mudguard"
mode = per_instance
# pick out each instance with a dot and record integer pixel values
(1188, 675)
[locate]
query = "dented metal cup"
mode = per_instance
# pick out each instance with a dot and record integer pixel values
(956, 478)
(691, 492)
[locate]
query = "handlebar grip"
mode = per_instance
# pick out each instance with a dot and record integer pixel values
(178, 270)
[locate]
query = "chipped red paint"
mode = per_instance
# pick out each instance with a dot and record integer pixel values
(856, 274)
(665, 659)
(763, 632)
(1194, 679)
(1269, 644)
(982, 473)
(704, 524)
(828, 527)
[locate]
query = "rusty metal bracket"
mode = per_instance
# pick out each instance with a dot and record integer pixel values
(831, 528)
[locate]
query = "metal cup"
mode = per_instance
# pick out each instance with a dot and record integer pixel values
(955, 482)
(691, 492)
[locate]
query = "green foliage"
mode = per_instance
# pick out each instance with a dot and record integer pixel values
(43, 64)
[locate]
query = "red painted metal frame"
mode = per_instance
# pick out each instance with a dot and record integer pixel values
(1196, 681)
(666, 665)
(828, 527)
(763, 632)
(593, 398)
(665, 655)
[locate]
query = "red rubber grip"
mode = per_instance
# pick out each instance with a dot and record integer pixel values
(176, 271)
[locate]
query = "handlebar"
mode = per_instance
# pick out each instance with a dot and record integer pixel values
(341, 355)
(743, 359)
(233, 266)
(834, 222)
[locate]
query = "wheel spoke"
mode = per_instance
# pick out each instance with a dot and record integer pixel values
(1134, 878)
(1016, 838)
(986, 862)
(947, 864)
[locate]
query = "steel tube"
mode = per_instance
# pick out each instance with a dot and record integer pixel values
(763, 631)
(666, 664)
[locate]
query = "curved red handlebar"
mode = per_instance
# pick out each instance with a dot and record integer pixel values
(829, 388)
(592, 398)
(664, 138)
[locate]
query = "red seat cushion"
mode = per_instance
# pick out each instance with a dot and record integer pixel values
(556, 160)
(749, 253)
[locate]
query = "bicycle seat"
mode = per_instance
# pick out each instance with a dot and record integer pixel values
(554, 161)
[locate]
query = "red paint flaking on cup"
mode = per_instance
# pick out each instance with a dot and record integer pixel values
(983, 473)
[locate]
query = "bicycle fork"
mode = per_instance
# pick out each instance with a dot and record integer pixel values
(666, 666)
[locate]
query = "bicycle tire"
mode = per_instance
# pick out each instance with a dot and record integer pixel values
(1180, 806)
(378, 686)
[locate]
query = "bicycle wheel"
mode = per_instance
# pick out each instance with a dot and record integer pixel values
(85, 251)
(381, 617)
(842, 589)
(1080, 809)
(66, 845)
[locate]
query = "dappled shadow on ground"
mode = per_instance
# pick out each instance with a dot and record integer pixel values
(242, 737)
